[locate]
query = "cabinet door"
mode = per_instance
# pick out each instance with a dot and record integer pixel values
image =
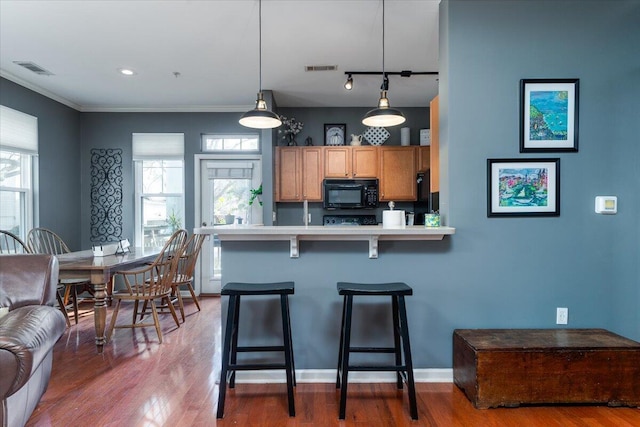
(365, 162)
(424, 159)
(312, 173)
(435, 144)
(398, 174)
(337, 162)
(288, 174)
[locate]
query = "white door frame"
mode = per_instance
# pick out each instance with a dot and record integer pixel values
(199, 160)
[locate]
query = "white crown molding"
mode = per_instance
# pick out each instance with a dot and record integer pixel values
(104, 109)
(432, 375)
(189, 109)
(7, 75)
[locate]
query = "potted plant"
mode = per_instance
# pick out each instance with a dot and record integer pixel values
(256, 193)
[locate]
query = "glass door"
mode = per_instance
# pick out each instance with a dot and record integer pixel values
(226, 192)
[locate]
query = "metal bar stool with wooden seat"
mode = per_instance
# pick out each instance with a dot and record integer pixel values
(397, 291)
(231, 349)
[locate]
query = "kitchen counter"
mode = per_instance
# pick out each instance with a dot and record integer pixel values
(294, 234)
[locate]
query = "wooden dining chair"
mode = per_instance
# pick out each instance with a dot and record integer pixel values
(147, 284)
(12, 244)
(44, 241)
(185, 271)
(173, 246)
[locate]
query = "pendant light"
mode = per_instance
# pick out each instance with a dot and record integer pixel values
(260, 117)
(384, 115)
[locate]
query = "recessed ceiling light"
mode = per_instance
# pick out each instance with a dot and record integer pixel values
(126, 71)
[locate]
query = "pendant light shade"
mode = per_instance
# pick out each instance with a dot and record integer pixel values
(384, 115)
(260, 117)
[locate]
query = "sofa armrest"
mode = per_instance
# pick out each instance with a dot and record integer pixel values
(27, 334)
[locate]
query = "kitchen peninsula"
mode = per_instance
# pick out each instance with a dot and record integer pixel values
(293, 234)
(325, 256)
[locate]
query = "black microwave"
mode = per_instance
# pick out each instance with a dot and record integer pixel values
(350, 193)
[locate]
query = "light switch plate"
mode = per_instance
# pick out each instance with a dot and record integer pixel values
(607, 205)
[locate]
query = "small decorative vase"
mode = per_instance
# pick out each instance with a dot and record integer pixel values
(291, 140)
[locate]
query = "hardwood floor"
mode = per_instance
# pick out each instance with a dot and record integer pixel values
(138, 382)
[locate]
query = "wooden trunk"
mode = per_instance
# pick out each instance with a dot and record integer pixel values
(509, 367)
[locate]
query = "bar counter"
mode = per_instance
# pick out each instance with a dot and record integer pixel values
(294, 234)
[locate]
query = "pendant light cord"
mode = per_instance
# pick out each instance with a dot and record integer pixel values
(260, 45)
(383, 75)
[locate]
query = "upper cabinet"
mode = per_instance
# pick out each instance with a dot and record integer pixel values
(299, 174)
(434, 112)
(424, 158)
(398, 174)
(351, 162)
(299, 171)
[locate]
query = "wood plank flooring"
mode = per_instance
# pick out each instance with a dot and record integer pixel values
(138, 382)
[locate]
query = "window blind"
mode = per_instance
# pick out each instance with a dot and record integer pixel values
(229, 170)
(153, 146)
(18, 131)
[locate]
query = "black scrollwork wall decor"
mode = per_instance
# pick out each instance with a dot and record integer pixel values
(106, 195)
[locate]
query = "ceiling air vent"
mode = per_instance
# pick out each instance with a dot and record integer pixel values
(34, 67)
(320, 67)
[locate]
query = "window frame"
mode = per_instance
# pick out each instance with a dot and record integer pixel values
(223, 136)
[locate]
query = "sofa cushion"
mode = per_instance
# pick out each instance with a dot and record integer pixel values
(27, 280)
(27, 334)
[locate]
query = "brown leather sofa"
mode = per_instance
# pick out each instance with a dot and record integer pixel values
(28, 333)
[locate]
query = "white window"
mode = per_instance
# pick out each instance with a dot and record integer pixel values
(227, 143)
(159, 186)
(18, 169)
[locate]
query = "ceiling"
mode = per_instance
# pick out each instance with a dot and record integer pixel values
(213, 45)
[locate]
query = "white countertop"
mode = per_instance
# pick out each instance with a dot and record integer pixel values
(372, 233)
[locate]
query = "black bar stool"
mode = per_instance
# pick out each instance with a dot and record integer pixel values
(397, 292)
(230, 349)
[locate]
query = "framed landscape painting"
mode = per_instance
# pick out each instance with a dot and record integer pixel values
(548, 115)
(523, 187)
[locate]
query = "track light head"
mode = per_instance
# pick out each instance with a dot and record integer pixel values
(348, 85)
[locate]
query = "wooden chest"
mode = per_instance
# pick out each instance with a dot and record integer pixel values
(509, 367)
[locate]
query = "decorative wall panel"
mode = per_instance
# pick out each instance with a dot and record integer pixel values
(106, 195)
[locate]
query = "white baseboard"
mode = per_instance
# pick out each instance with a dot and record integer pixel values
(329, 376)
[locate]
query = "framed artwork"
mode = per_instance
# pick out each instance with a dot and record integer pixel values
(334, 134)
(523, 187)
(548, 115)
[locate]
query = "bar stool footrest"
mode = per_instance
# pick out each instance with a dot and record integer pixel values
(256, 366)
(401, 368)
(372, 349)
(259, 348)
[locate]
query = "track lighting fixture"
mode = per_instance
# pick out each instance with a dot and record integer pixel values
(349, 83)
(260, 117)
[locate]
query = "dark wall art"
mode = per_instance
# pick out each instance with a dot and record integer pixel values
(106, 195)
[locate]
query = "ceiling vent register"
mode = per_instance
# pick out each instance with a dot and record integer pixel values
(34, 67)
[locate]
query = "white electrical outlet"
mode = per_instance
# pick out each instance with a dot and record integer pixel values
(562, 316)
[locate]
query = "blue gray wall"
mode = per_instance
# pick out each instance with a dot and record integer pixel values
(580, 260)
(59, 154)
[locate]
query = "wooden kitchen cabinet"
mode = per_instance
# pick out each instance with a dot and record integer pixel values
(312, 173)
(351, 162)
(288, 174)
(424, 158)
(299, 174)
(398, 174)
(434, 111)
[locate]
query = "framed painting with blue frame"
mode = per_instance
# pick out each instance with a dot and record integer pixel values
(548, 115)
(523, 187)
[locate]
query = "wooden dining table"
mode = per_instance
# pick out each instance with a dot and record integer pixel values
(100, 270)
